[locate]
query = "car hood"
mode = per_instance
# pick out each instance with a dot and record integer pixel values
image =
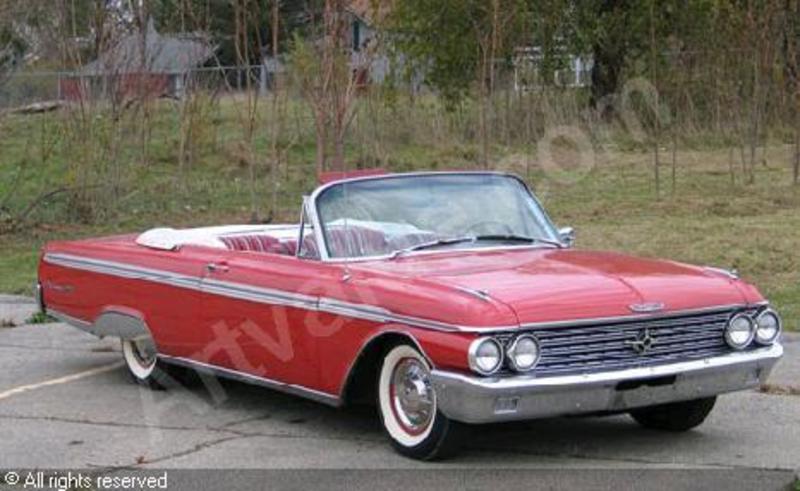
(548, 285)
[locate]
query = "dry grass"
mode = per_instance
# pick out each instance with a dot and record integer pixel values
(780, 390)
(708, 219)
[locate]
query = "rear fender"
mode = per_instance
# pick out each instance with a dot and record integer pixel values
(122, 323)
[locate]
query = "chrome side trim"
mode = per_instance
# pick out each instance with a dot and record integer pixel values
(731, 274)
(379, 314)
(293, 389)
(360, 311)
(258, 294)
(234, 290)
(72, 321)
(255, 294)
(122, 270)
(479, 294)
(330, 305)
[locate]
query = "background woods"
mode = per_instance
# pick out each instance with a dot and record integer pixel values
(668, 128)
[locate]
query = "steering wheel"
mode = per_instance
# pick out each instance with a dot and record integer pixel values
(507, 230)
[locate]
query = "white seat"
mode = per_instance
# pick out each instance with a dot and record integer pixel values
(171, 239)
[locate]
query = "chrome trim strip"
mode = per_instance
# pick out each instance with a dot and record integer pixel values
(224, 288)
(330, 305)
(293, 389)
(254, 294)
(378, 314)
(311, 210)
(122, 270)
(638, 317)
(510, 247)
(361, 311)
(258, 294)
(72, 321)
(518, 382)
(731, 274)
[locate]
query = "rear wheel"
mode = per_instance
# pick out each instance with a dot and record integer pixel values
(408, 409)
(141, 359)
(675, 416)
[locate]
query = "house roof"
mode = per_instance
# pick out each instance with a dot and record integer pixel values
(370, 11)
(161, 54)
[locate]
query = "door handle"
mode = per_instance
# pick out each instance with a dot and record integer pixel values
(217, 268)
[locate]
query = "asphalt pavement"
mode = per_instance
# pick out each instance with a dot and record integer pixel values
(66, 403)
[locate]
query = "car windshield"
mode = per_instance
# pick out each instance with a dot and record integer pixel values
(396, 214)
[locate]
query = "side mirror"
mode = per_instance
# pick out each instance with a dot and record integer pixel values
(567, 236)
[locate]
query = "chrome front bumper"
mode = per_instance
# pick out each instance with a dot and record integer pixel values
(473, 399)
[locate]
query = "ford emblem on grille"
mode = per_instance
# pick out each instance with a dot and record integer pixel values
(647, 308)
(643, 343)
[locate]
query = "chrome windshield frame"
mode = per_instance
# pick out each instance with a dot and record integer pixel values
(314, 216)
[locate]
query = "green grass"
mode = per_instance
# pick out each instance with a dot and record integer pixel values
(708, 220)
(18, 265)
(40, 318)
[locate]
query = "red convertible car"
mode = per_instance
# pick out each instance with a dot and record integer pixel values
(447, 298)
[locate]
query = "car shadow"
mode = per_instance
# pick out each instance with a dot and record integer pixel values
(582, 437)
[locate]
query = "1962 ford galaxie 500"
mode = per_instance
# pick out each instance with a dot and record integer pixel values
(445, 298)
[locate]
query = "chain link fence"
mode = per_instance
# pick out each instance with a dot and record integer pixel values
(25, 88)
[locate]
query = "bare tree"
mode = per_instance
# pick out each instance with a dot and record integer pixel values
(328, 78)
(490, 30)
(791, 31)
(278, 119)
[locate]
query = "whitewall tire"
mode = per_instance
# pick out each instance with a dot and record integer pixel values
(408, 409)
(141, 359)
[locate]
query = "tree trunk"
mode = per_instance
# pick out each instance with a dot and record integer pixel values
(605, 77)
(609, 57)
(320, 140)
(796, 170)
(277, 123)
(339, 153)
(483, 104)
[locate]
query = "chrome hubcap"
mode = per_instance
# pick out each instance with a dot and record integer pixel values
(144, 353)
(413, 398)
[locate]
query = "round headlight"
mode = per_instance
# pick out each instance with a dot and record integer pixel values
(485, 356)
(768, 327)
(523, 355)
(740, 331)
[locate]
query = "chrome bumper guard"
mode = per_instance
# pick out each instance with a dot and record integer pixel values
(473, 399)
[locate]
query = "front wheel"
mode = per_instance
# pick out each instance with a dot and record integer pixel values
(408, 409)
(675, 416)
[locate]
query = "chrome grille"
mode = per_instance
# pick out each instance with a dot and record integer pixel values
(607, 346)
